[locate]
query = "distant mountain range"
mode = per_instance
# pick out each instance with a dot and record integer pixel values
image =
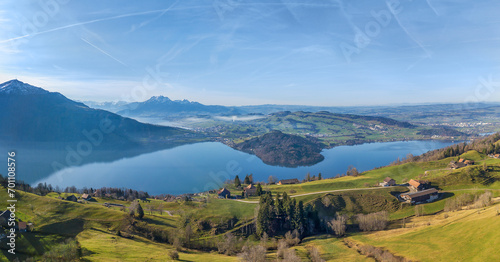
(163, 107)
(32, 114)
(427, 114)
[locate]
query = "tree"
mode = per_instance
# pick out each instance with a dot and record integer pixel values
(253, 253)
(338, 225)
(139, 212)
(352, 171)
(237, 182)
(319, 176)
(373, 221)
(246, 180)
(227, 245)
(250, 177)
(271, 180)
(132, 208)
(265, 214)
(308, 177)
(419, 210)
(298, 217)
(259, 190)
(314, 254)
(173, 254)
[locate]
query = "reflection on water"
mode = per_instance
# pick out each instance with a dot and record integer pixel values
(201, 166)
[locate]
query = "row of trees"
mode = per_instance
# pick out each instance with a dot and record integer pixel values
(477, 201)
(485, 145)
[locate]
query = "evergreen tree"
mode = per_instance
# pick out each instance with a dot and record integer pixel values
(250, 178)
(308, 177)
(246, 180)
(259, 190)
(139, 211)
(319, 176)
(265, 215)
(237, 182)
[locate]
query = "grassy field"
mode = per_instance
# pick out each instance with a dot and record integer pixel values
(93, 226)
(468, 235)
(103, 246)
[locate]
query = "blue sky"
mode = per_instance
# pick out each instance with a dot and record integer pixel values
(232, 52)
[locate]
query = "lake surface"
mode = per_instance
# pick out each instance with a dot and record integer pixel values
(204, 166)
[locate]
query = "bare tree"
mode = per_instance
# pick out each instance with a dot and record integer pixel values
(373, 221)
(227, 245)
(271, 180)
(314, 254)
(291, 256)
(282, 247)
(253, 253)
(419, 210)
(338, 225)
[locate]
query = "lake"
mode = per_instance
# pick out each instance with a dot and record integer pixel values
(204, 166)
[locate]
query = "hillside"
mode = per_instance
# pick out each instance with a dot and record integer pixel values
(328, 128)
(277, 148)
(31, 114)
(468, 235)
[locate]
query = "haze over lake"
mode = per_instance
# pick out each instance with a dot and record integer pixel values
(203, 166)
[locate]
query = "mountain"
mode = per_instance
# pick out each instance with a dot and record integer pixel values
(32, 114)
(108, 106)
(277, 148)
(161, 106)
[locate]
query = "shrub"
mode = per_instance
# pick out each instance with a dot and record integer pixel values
(173, 254)
(373, 221)
(282, 247)
(253, 253)
(338, 225)
(314, 254)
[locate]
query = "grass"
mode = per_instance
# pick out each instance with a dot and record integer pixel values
(466, 235)
(102, 246)
(332, 249)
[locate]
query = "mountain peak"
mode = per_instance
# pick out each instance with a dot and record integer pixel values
(159, 99)
(16, 87)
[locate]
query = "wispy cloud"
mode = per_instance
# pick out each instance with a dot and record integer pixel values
(86, 23)
(104, 52)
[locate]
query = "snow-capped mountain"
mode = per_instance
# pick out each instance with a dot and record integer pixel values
(161, 106)
(16, 87)
(32, 114)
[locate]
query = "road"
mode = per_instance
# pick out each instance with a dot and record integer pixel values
(315, 193)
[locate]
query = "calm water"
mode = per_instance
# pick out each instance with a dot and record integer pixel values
(204, 166)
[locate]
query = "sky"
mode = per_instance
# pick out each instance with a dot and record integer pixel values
(234, 52)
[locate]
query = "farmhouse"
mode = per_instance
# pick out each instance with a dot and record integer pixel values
(72, 198)
(419, 184)
(288, 181)
(250, 190)
(388, 182)
(224, 193)
(86, 197)
(427, 195)
(460, 163)
(22, 226)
